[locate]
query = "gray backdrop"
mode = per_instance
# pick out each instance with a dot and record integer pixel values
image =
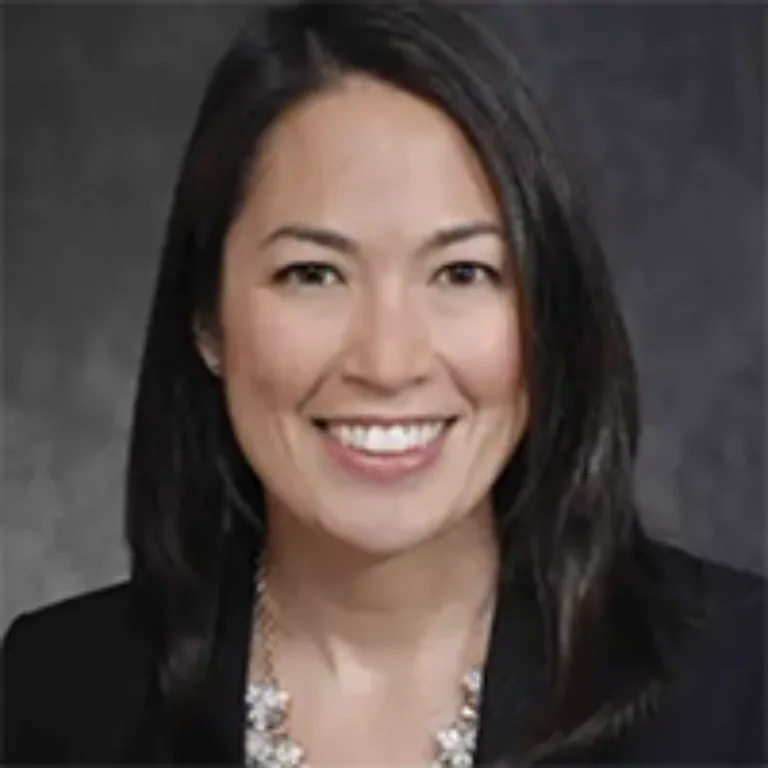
(662, 106)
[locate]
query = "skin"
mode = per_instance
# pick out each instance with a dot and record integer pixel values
(382, 592)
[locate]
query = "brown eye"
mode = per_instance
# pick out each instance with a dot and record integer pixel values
(467, 273)
(309, 273)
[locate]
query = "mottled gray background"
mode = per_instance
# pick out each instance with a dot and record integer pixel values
(662, 105)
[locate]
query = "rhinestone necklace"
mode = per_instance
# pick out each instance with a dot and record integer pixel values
(269, 745)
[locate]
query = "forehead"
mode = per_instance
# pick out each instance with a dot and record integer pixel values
(370, 159)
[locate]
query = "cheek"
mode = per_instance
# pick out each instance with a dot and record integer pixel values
(484, 352)
(273, 353)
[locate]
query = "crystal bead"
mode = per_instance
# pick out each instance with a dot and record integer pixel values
(461, 760)
(449, 739)
(258, 748)
(267, 706)
(472, 682)
(468, 713)
(455, 740)
(288, 755)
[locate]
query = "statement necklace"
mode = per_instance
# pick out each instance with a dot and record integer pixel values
(269, 745)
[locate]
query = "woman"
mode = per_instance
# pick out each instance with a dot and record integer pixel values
(379, 494)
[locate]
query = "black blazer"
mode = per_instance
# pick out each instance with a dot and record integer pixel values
(76, 685)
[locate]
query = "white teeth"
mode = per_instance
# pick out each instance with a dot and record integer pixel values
(392, 439)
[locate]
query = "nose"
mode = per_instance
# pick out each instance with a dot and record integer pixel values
(390, 349)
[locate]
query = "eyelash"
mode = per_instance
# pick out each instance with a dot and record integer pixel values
(306, 274)
(292, 274)
(489, 274)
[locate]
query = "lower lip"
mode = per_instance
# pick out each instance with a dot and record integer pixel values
(385, 467)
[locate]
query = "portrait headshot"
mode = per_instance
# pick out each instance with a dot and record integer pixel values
(384, 384)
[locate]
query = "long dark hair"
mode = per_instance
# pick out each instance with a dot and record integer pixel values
(566, 519)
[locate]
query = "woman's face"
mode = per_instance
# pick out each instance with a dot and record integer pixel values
(369, 342)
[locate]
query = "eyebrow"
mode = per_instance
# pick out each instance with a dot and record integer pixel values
(328, 238)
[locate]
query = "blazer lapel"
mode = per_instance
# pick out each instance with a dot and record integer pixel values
(225, 702)
(514, 672)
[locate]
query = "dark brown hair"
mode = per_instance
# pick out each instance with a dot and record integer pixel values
(567, 522)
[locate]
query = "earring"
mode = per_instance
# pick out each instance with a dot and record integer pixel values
(211, 362)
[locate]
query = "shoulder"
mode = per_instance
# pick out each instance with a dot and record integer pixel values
(717, 584)
(712, 710)
(101, 626)
(722, 658)
(726, 636)
(71, 671)
(79, 612)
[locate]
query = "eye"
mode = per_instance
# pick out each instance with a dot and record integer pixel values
(467, 273)
(308, 273)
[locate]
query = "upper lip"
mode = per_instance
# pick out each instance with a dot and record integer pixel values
(374, 420)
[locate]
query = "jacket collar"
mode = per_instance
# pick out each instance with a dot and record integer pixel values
(513, 674)
(227, 680)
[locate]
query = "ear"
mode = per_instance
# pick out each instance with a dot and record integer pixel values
(208, 345)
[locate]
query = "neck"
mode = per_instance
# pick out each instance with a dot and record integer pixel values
(383, 613)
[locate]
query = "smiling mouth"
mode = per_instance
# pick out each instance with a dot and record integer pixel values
(386, 439)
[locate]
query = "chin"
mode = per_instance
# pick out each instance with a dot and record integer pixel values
(388, 534)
